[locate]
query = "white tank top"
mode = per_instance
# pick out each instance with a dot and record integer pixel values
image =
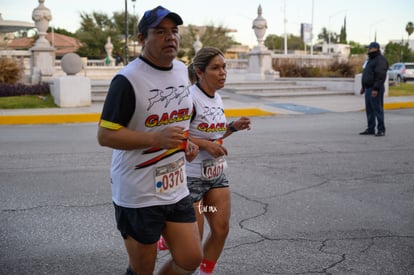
(208, 123)
(148, 177)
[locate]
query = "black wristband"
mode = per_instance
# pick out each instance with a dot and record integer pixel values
(231, 127)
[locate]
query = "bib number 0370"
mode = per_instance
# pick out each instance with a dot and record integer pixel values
(169, 177)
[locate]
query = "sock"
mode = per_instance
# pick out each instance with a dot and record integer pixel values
(161, 244)
(206, 267)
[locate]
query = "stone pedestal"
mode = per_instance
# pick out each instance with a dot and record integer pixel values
(260, 64)
(42, 62)
(72, 91)
(260, 58)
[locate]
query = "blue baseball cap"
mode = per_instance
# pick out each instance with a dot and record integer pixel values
(152, 18)
(373, 45)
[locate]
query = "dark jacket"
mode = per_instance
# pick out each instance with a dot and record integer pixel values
(375, 71)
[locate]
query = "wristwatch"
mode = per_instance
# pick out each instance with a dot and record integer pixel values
(231, 127)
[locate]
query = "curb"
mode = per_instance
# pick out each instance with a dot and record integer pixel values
(94, 117)
(398, 105)
(48, 119)
(247, 112)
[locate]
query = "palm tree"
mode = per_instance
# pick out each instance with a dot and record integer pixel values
(409, 28)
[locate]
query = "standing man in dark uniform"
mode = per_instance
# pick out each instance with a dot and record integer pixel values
(373, 78)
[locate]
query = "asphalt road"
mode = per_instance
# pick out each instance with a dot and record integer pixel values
(309, 196)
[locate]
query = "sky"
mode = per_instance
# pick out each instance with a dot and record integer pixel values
(385, 19)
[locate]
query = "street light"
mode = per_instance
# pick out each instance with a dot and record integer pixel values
(134, 38)
(126, 33)
(311, 50)
(284, 24)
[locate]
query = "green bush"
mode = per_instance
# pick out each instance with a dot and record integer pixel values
(23, 89)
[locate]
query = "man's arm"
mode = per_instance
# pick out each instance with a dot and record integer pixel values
(127, 139)
(380, 73)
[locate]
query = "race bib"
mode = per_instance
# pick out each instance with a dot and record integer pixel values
(170, 176)
(212, 169)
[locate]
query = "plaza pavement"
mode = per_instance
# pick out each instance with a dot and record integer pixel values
(235, 105)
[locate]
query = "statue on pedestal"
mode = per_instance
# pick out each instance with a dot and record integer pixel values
(41, 16)
(42, 60)
(260, 58)
(259, 26)
(109, 60)
(197, 45)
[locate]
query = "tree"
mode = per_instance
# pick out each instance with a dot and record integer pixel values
(397, 52)
(323, 36)
(274, 42)
(357, 48)
(97, 27)
(295, 42)
(61, 31)
(211, 36)
(217, 37)
(186, 43)
(342, 35)
(409, 29)
(93, 34)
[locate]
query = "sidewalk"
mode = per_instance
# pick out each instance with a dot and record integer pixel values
(235, 105)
